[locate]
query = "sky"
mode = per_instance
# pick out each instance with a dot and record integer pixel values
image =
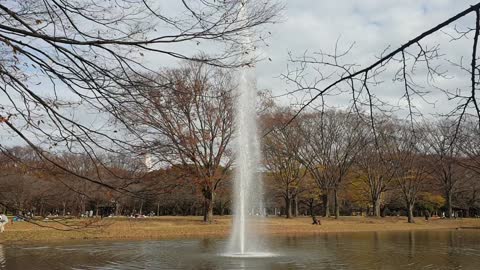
(313, 25)
(373, 25)
(310, 26)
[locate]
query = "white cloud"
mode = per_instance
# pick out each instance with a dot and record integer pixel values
(371, 24)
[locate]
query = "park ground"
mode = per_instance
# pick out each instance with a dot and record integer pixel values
(193, 227)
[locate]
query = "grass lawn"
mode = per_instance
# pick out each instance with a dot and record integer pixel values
(185, 227)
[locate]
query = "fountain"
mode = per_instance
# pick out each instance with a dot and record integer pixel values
(248, 187)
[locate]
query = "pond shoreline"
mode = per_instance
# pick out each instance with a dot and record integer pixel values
(165, 228)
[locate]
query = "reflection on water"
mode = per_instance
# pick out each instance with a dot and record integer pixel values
(382, 250)
(2, 257)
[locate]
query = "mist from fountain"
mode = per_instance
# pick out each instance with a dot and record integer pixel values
(247, 188)
(248, 195)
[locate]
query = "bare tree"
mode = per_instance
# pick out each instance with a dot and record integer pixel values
(416, 71)
(187, 122)
(280, 150)
(469, 143)
(444, 154)
(414, 170)
(62, 60)
(349, 139)
(467, 195)
(332, 141)
(377, 164)
(313, 153)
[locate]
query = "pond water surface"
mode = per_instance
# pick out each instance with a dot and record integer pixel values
(459, 249)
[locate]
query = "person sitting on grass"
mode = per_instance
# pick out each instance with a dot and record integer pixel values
(427, 215)
(3, 221)
(315, 220)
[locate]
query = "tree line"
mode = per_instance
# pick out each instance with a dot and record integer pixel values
(390, 165)
(90, 57)
(72, 72)
(325, 161)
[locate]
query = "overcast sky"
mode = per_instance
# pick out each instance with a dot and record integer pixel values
(373, 24)
(312, 25)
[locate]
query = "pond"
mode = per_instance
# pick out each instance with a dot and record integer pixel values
(458, 249)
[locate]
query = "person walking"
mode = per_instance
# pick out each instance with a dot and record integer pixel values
(3, 221)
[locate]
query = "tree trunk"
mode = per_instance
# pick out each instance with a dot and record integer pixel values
(449, 204)
(118, 210)
(82, 205)
(41, 209)
(158, 209)
(288, 207)
(410, 213)
(208, 207)
(222, 210)
(64, 204)
(337, 206)
(295, 206)
(376, 207)
(326, 205)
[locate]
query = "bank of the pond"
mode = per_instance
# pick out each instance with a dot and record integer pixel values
(188, 227)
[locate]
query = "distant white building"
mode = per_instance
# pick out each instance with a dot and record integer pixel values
(149, 164)
(152, 163)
